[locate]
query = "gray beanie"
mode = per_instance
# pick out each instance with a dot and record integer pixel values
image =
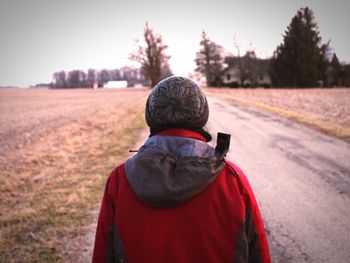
(177, 102)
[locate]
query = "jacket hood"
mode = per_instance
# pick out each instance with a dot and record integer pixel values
(169, 170)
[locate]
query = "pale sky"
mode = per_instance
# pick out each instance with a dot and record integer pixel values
(40, 37)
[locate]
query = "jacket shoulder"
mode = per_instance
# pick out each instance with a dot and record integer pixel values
(241, 178)
(235, 170)
(117, 171)
(114, 178)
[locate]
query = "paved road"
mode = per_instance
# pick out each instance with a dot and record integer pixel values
(301, 179)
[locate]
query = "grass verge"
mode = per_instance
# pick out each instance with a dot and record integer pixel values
(48, 190)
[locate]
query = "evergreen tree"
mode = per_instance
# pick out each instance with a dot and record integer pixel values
(209, 61)
(337, 71)
(298, 61)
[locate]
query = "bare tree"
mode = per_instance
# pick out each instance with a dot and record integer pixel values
(152, 57)
(248, 68)
(76, 78)
(91, 78)
(60, 79)
(91, 74)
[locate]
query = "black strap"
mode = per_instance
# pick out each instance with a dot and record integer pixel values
(116, 252)
(222, 145)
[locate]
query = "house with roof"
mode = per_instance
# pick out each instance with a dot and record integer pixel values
(246, 71)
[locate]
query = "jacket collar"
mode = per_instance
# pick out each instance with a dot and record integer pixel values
(178, 132)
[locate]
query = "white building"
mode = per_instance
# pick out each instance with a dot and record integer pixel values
(116, 84)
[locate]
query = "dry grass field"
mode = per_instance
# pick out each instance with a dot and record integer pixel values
(56, 150)
(327, 110)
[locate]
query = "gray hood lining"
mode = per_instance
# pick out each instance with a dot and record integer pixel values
(168, 170)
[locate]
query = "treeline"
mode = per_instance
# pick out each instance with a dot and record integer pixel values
(150, 55)
(302, 60)
(93, 78)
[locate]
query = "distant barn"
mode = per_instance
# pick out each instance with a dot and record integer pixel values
(116, 84)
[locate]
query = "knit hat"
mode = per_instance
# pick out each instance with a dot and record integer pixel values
(177, 102)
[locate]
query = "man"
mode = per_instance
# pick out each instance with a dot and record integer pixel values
(178, 199)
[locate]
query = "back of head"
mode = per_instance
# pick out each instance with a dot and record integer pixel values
(177, 102)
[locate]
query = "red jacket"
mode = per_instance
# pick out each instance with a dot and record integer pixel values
(220, 223)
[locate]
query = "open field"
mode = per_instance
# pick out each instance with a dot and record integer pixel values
(327, 110)
(57, 148)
